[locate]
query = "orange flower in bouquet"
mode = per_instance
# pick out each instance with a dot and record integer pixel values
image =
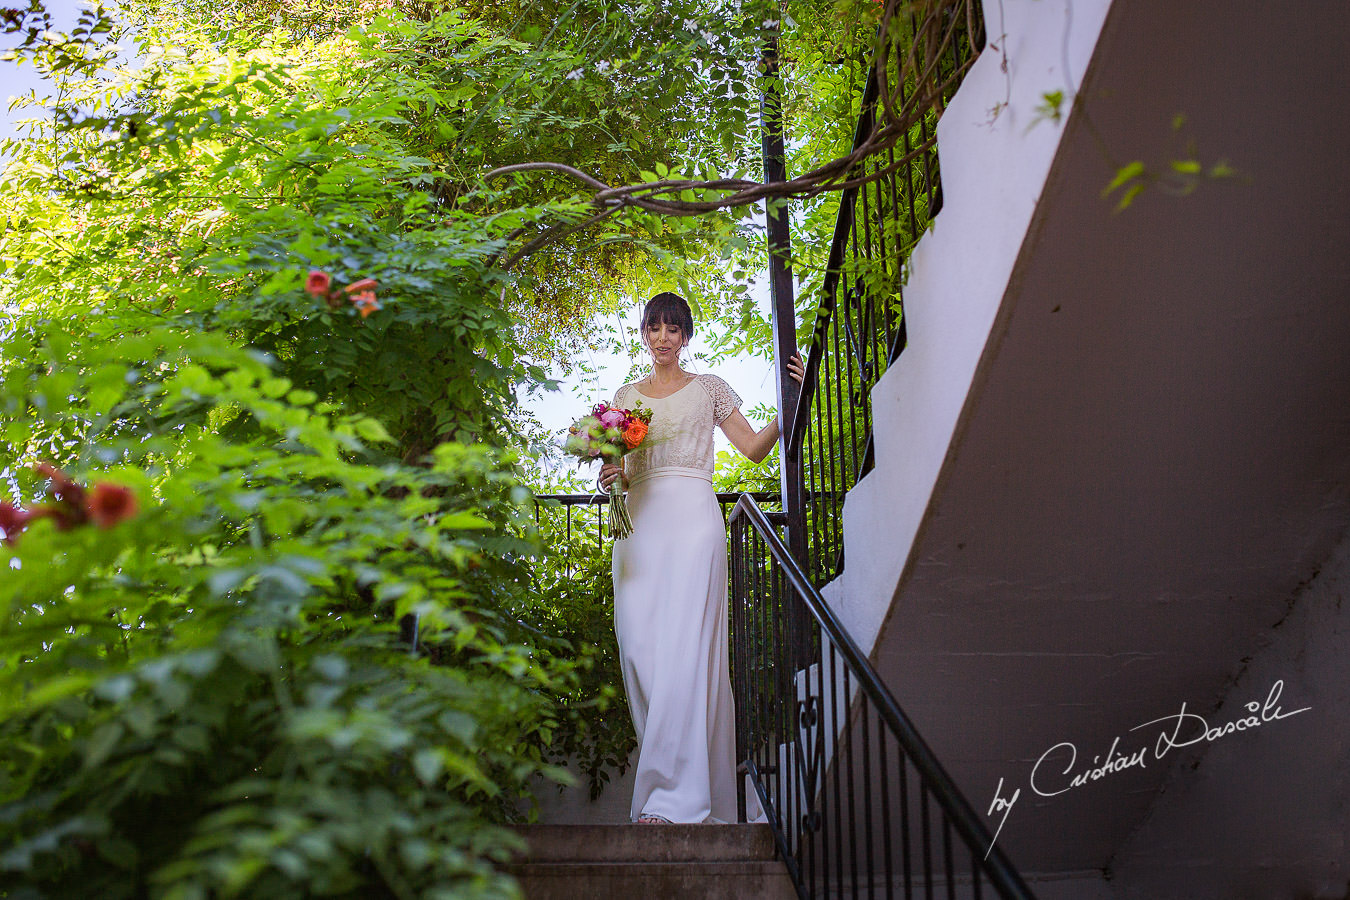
(634, 433)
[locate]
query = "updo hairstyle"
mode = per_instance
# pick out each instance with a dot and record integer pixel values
(668, 309)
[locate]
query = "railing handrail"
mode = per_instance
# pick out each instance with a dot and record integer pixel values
(963, 817)
(601, 497)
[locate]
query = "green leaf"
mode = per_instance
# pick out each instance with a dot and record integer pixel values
(427, 765)
(1125, 174)
(1128, 197)
(371, 430)
(101, 744)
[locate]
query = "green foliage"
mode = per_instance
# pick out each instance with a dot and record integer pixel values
(572, 601)
(211, 698)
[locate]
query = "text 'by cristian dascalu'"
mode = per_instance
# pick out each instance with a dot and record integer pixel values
(1058, 771)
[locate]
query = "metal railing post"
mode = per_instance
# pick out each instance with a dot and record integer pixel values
(782, 305)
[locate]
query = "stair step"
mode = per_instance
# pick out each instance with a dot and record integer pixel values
(655, 881)
(650, 861)
(647, 843)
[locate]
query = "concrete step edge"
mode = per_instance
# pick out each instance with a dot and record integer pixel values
(646, 843)
(662, 869)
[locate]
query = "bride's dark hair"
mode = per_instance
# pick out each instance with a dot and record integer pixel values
(668, 309)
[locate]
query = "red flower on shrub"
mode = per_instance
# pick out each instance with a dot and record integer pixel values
(365, 284)
(109, 504)
(64, 515)
(366, 303)
(63, 488)
(318, 283)
(12, 521)
(105, 505)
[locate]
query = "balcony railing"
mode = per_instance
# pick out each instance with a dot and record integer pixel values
(582, 514)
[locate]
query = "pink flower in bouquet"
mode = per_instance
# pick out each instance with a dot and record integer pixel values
(613, 418)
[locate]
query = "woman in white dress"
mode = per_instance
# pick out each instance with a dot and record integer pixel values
(670, 579)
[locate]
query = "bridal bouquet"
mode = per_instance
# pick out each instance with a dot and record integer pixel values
(608, 434)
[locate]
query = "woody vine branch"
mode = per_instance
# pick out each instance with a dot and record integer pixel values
(934, 25)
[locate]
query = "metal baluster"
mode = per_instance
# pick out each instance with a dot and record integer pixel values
(896, 273)
(817, 567)
(852, 806)
(837, 481)
(927, 835)
(882, 767)
(864, 714)
(947, 857)
(905, 855)
(818, 742)
(782, 700)
(828, 478)
(834, 766)
(861, 296)
(735, 601)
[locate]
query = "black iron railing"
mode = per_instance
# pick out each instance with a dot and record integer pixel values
(859, 326)
(859, 804)
(581, 515)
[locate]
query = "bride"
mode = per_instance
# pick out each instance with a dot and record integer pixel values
(670, 579)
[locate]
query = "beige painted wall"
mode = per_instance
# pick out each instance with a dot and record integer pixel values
(1264, 814)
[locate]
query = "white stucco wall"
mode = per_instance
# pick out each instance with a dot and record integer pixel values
(1264, 813)
(995, 151)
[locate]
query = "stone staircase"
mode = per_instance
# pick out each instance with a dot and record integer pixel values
(711, 862)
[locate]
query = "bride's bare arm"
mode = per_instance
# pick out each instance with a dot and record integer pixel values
(755, 445)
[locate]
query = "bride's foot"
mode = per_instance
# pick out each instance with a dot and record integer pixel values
(652, 819)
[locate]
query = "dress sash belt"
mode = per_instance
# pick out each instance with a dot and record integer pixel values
(684, 471)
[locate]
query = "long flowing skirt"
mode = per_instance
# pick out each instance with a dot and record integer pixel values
(670, 615)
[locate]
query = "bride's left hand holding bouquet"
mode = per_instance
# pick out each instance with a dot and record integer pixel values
(609, 434)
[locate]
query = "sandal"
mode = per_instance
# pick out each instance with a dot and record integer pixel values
(652, 819)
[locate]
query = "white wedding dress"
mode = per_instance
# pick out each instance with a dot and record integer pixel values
(670, 609)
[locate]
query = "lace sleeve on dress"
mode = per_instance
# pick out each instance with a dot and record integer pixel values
(725, 400)
(621, 396)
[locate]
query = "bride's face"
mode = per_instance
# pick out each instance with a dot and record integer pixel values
(665, 341)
